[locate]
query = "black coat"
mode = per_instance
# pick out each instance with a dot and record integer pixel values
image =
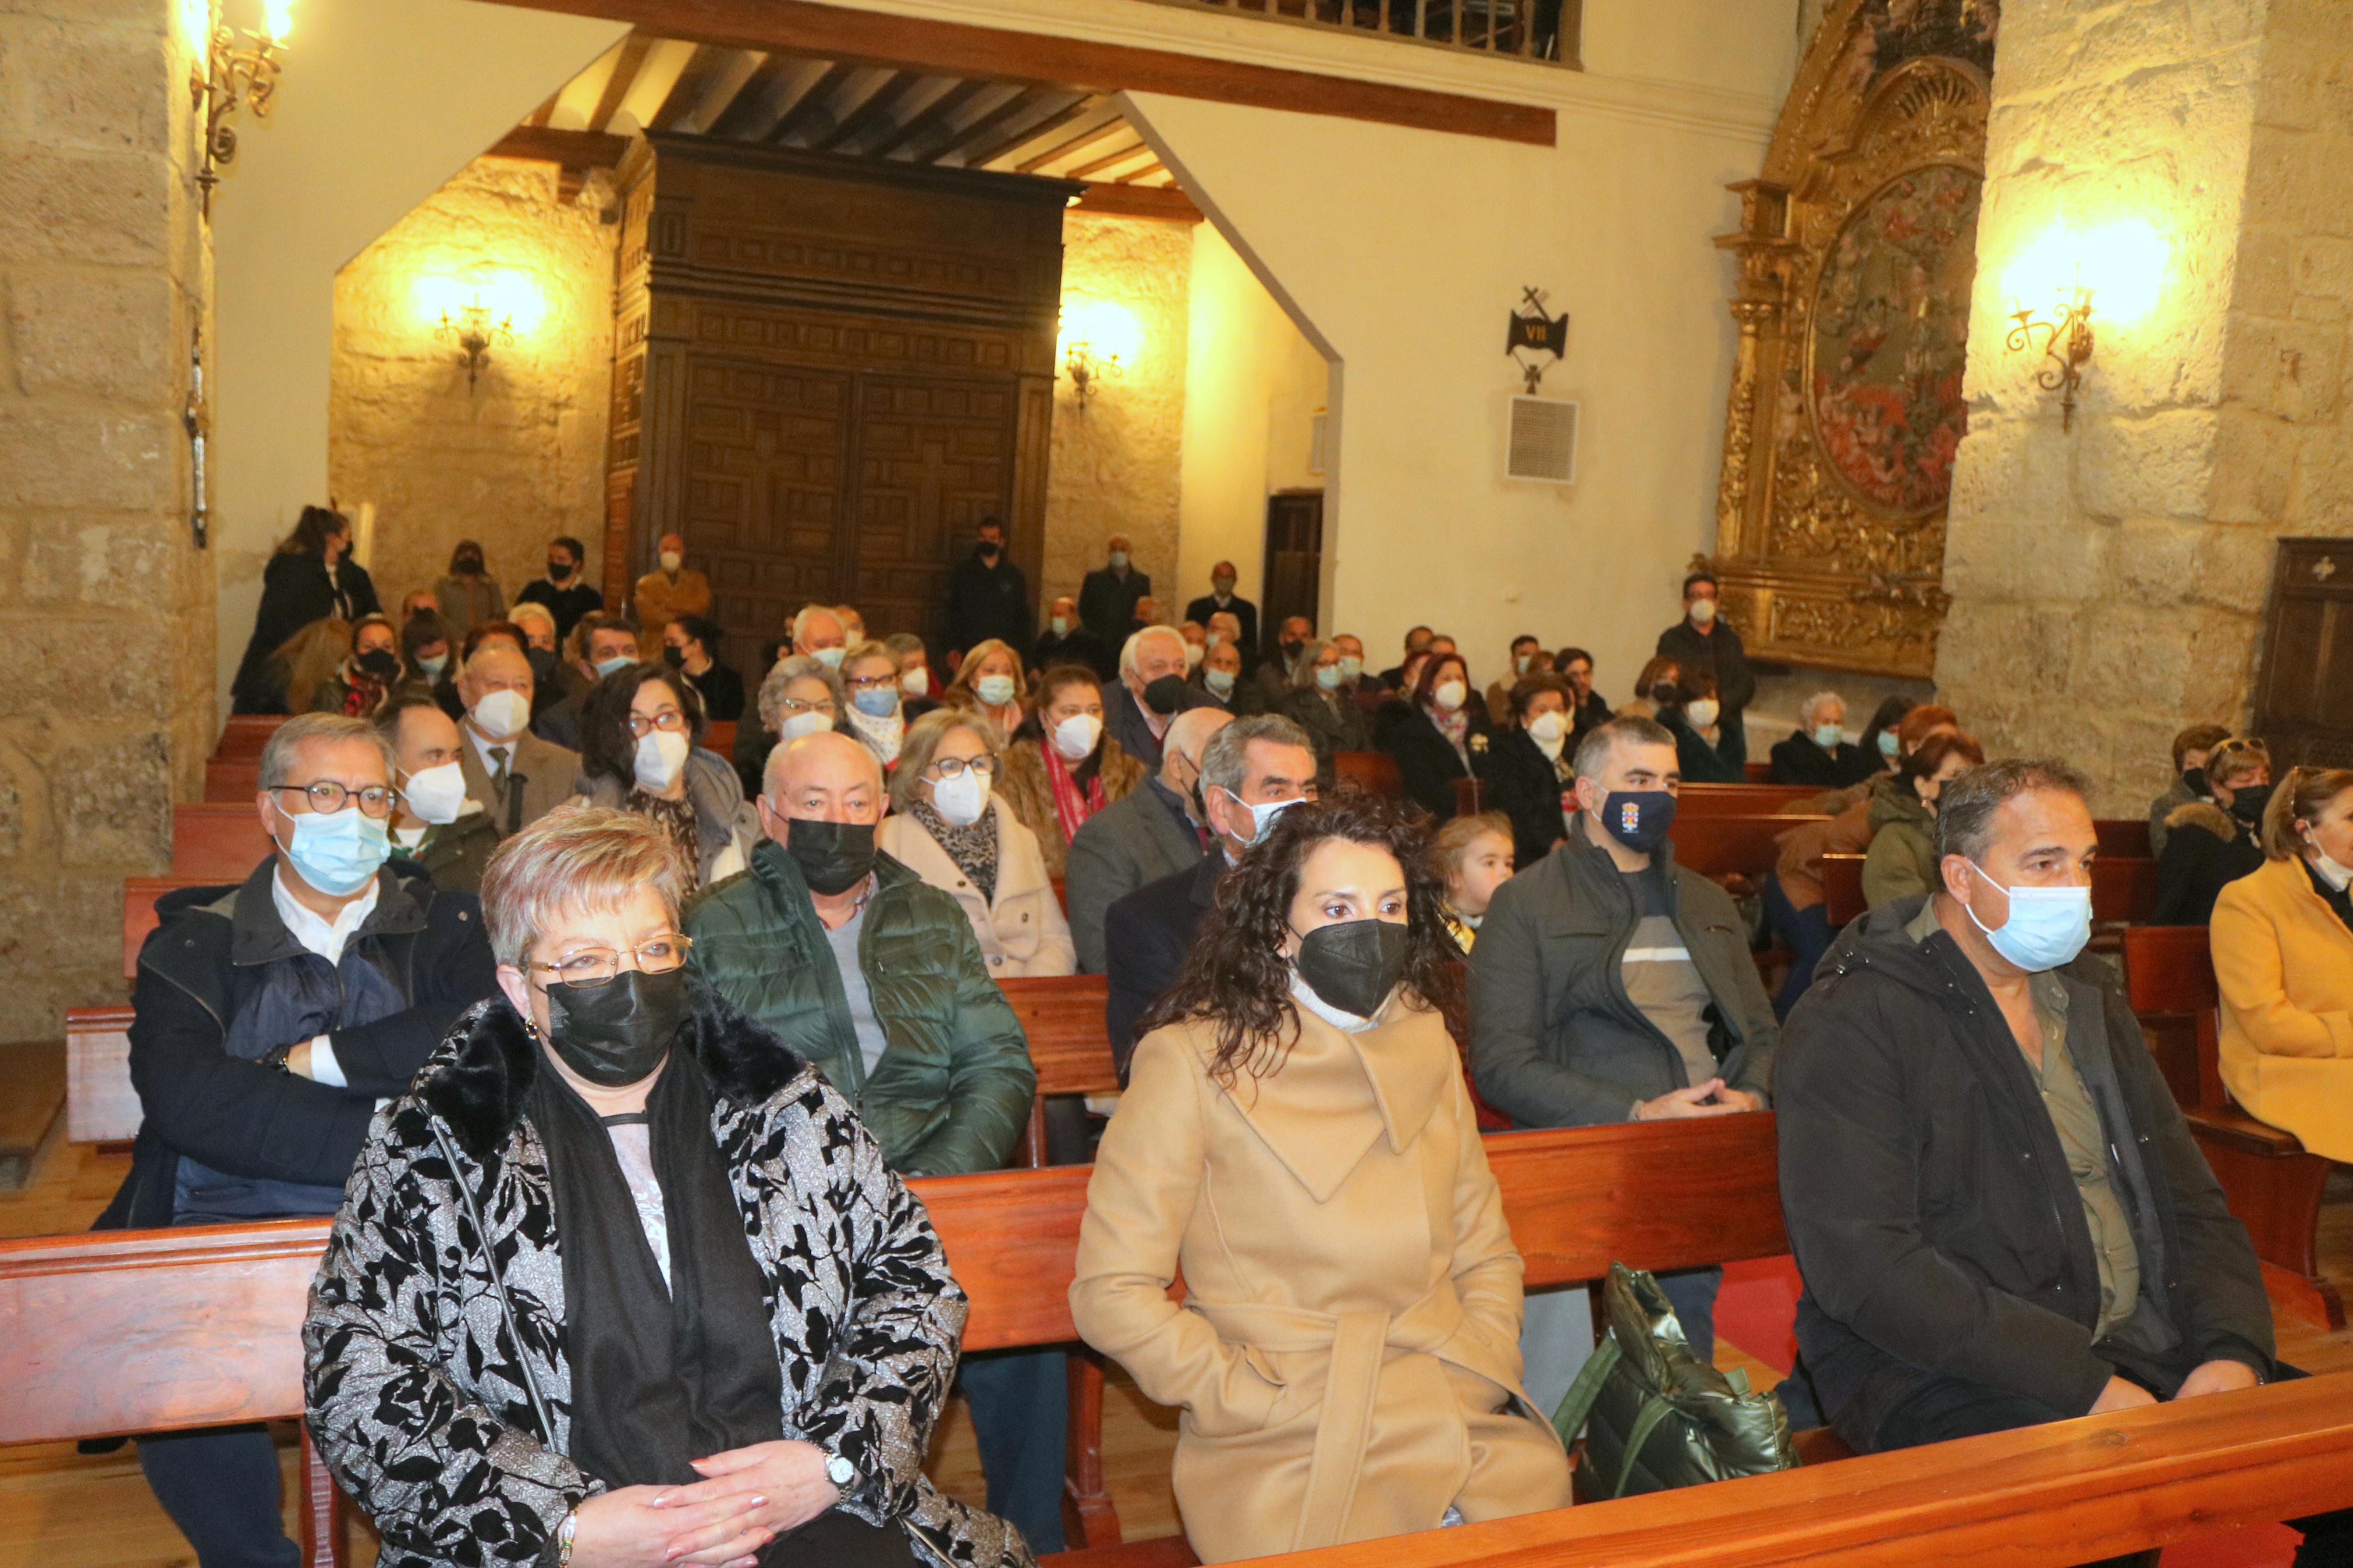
(1146, 937)
(1800, 761)
(1241, 609)
(1107, 608)
(986, 601)
(721, 690)
(1077, 646)
(1588, 715)
(2198, 862)
(1522, 784)
(1718, 651)
(1124, 720)
(1699, 761)
(1936, 1228)
(566, 605)
(294, 593)
(1428, 762)
(198, 969)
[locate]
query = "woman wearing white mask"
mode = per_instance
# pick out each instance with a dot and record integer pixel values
(2283, 945)
(800, 696)
(947, 828)
(915, 698)
(1316, 703)
(434, 824)
(1061, 768)
(1532, 764)
(1689, 710)
(990, 682)
(1443, 735)
(639, 753)
(876, 714)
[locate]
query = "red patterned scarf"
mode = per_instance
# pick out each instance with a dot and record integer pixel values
(1072, 808)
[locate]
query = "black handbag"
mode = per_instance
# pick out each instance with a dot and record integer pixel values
(1656, 1417)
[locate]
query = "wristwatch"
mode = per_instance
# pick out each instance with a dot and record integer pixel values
(274, 1058)
(839, 1471)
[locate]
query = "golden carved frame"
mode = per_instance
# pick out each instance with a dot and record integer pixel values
(1812, 573)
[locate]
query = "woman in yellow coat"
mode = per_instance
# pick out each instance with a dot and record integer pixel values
(2283, 945)
(1297, 1142)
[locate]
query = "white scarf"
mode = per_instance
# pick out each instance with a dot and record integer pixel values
(882, 736)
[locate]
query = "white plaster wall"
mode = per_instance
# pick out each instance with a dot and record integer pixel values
(382, 101)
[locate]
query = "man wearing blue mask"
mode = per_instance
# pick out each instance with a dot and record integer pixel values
(270, 1020)
(1611, 985)
(1107, 599)
(600, 645)
(1251, 770)
(1998, 1216)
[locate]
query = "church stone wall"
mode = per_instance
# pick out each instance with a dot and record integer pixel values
(515, 458)
(107, 618)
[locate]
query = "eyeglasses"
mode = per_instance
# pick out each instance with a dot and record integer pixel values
(669, 723)
(596, 965)
(327, 797)
(792, 705)
(955, 767)
(871, 682)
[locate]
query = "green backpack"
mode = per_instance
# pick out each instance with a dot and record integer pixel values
(1661, 1418)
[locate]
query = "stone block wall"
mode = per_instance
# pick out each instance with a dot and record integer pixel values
(1117, 462)
(518, 457)
(107, 614)
(2108, 584)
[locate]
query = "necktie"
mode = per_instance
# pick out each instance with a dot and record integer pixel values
(498, 772)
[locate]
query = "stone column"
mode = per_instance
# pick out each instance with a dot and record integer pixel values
(106, 622)
(2108, 584)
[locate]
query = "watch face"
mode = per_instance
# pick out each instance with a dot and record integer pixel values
(839, 1471)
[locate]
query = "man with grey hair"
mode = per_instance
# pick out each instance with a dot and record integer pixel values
(1150, 692)
(1251, 769)
(1818, 754)
(517, 776)
(876, 977)
(819, 633)
(1999, 1214)
(1107, 595)
(1147, 834)
(270, 1019)
(1611, 985)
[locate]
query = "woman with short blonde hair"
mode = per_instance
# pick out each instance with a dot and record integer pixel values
(656, 1242)
(991, 682)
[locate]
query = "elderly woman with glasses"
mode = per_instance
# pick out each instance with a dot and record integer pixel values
(944, 826)
(640, 734)
(876, 715)
(800, 695)
(620, 1281)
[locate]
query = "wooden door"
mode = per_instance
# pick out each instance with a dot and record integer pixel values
(934, 456)
(2303, 698)
(1295, 560)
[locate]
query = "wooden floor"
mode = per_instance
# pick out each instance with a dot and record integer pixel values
(59, 1508)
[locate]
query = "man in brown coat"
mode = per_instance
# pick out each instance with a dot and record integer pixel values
(671, 590)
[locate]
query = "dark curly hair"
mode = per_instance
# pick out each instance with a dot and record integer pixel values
(607, 747)
(1236, 976)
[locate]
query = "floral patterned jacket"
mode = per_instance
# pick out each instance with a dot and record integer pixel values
(438, 1390)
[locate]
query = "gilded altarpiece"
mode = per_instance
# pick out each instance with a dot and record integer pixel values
(826, 372)
(1857, 249)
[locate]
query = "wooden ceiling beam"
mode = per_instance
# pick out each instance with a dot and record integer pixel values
(812, 105)
(967, 49)
(747, 114)
(934, 117)
(617, 85)
(1166, 202)
(1114, 126)
(572, 149)
(977, 153)
(1089, 170)
(880, 111)
(685, 95)
(964, 137)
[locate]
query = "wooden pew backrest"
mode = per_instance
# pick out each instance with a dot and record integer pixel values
(1375, 773)
(1738, 800)
(101, 1105)
(1841, 888)
(243, 735)
(719, 736)
(217, 841)
(228, 779)
(1722, 845)
(2126, 836)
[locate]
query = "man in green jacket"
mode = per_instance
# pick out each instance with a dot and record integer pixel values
(876, 978)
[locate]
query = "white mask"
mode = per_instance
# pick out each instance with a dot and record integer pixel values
(1074, 737)
(661, 754)
(809, 724)
(1118, 559)
(502, 715)
(1548, 728)
(1702, 611)
(996, 690)
(2337, 875)
(1520, 663)
(672, 561)
(831, 658)
(1261, 816)
(961, 799)
(1194, 654)
(1702, 713)
(1220, 682)
(435, 793)
(1449, 694)
(916, 681)
(1351, 667)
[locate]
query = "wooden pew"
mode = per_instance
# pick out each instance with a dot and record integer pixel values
(232, 779)
(1374, 773)
(243, 734)
(2272, 1186)
(217, 841)
(1756, 772)
(1738, 800)
(1064, 1017)
(719, 736)
(1470, 795)
(1723, 846)
(1842, 888)
(2123, 835)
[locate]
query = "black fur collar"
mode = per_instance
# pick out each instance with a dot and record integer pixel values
(478, 1081)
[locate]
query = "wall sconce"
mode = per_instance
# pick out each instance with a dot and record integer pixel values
(240, 70)
(481, 314)
(473, 331)
(2123, 264)
(1099, 338)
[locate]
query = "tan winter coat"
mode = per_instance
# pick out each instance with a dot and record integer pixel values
(1022, 784)
(1347, 1357)
(1022, 931)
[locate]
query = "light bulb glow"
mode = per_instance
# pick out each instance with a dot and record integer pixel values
(507, 297)
(2123, 264)
(278, 18)
(1106, 328)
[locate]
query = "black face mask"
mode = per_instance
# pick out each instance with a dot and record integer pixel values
(2247, 804)
(542, 665)
(1638, 818)
(988, 552)
(1354, 966)
(1291, 649)
(469, 565)
(673, 657)
(382, 665)
(2195, 780)
(1164, 695)
(834, 857)
(618, 1032)
(558, 570)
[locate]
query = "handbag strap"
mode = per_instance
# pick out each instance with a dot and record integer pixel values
(1655, 1409)
(1577, 1403)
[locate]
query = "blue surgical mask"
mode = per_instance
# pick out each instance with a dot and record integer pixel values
(338, 852)
(1830, 736)
(1638, 818)
(996, 690)
(605, 666)
(1888, 744)
(433, 664)
(1061, 625)
(875, 704)
(1220, 682)
(2047, 926)
(1328, 676)
(1351, 667)
(831, 658)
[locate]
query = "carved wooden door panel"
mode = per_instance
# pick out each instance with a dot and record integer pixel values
(1295, 560)
(765, 482)
(2304, 701)
(934, 456)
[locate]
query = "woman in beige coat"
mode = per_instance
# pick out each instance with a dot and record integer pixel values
(945, 827)
(2283, 945)
(1296, 1140)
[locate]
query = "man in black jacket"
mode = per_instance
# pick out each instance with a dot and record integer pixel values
(1107, 599)
(1221, 600)
(988, 595)
(567, 595)
(1998, 1216)
(1251, 769)
(1064, 641)
(1819, 753)
(269, 1021)
(1703, 640)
